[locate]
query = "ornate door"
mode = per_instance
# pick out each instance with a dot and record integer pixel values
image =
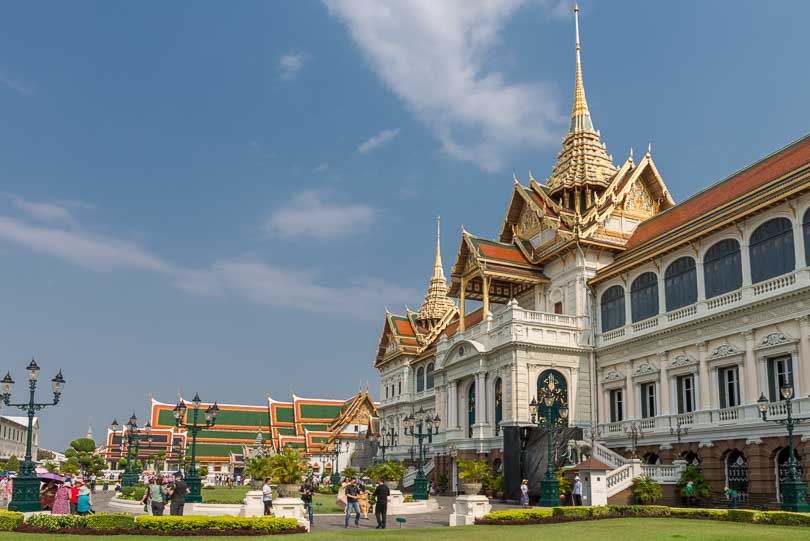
(552, 382)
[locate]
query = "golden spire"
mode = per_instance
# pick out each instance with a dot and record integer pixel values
(580, 116)
(583, 161)
(436, 303)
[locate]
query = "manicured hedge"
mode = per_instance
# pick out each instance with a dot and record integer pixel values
(742, 515)
(783, 518)
(10, 520)
(192, 523)
(54, 523)
(691, 512)
(110, 521)
(513, 516)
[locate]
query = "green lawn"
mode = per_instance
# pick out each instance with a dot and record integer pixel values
(236, 495)
(626, 529)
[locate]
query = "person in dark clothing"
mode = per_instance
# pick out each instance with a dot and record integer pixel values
(352, 492)
(177, 495)
(306, 497)
(381, 493)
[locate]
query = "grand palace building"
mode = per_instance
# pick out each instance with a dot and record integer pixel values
(658, 323)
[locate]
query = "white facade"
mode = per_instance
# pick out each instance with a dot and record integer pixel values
(13, 435)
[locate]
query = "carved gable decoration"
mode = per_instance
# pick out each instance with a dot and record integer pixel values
(724, 350)
(613, 375)
(681, 361)
(775, 339)
(638, 200)
(529, 222)
(644, 369)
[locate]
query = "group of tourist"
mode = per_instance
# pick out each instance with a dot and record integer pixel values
(73, 496)
(576, 492)
(158, 494)
(357, 499)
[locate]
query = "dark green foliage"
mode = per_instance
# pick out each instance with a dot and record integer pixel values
(702, 489)
(10, 520)
(111, 521)
(646, 491)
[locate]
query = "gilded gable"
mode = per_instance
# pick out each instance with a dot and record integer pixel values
(638, 200)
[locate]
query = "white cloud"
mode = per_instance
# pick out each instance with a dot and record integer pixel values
(321, 167)
(44, 211)
(20, 87)
(291, 63)
(309, 215)
(433, 55)
(378, 140)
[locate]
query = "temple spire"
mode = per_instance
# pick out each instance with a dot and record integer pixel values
(436, 303)
(580, 116)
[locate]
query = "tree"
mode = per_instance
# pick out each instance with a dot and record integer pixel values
(288, 466)
(82, 455)
(13, 463)
(702, 489)
(202, 471)
(44, 454)
(349, 472)
(258, 468)
(646, 490)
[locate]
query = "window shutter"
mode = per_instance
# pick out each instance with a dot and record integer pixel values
(612, 406)
(643, 401)
(774, 396)
(680, 394)
(721, 378)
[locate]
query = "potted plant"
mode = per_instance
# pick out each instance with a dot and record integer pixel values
(258, 469)
(390, 471)
(287, 468)
(473, 473)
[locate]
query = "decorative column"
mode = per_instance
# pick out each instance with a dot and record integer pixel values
(628, 313)
(703, 377)
(630, 391)
(701, 280)
(662, 297)
(600, 400)
(798, 242)
(745, 260)
(663, 383)
(452, 405)
(751, 378)
(804, 355)
(485, 284)
(480, 399)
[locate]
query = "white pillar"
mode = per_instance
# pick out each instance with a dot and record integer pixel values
(628, 313)
(798, 243)
(701, 282)
(480, 399)
(746, 263)
(603, 417)
(804, 355)
(663, 384)
(703, 376)
(630, 391)
(452, 404)
(662, 298)
(751, 379)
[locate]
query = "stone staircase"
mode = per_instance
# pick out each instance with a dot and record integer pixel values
(626, 469)
(410, 475)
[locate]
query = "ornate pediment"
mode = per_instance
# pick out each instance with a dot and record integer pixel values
(639, 201)
(775, 339)
(529, 222)
(644, 369)
(613, 375)
(724, 350)
(681, 361)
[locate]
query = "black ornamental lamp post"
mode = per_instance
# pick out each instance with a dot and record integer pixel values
(633, 431)
(422, 427)
(794, 490)
(194, 427)
(334, 449)
(550, 488)
(25, 493)
(386, 439)
(133, 448)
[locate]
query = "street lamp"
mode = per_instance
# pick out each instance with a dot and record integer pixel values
(678, 430)
(421, 426)
(633, 431)
(334, 449)
(386, 439)
(194, 427)
(794, 490)
(550, 488)
(133, 448)
(25, 493)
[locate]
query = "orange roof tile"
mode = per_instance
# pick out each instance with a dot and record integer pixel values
(724, 191)
(403, 326)
(471, 319)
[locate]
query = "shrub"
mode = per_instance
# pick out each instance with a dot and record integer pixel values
(110, 521)
(54, 523)
(742, 515)
(702, 489)
(10, 520)
(517, 515)
(581, 511)
(192, 523)
(639, 510)
(389, 470)
(716, 514)
(473, 471)
(646, 491)
(783, 518)
(566, 486)
(133, 493)
(288, 466)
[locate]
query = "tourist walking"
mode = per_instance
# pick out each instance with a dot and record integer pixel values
(155, 494)
(381, 493)
(524, 493)
(61, 503)
(352, 492)
(267, 497)
(577, 491)
(74, 496)
(306, 497)
(177, 495)
(84, 504)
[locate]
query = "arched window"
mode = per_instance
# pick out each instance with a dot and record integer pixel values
(783, 467)
(644, 296)
(771, 249)
(470, 409)
(806, 232)
(429, 376)
(737, 474)
(691, 458)
(420, 379)
(612, 308)
(498, 405)
(722, 270)
(652, 459)
(680, 283)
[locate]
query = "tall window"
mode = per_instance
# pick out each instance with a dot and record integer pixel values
(729, 380)
(686, 393)
(470, 410)
(616, 405)
(680, 283)
(806, 232)
(558, 308)
(399, 390)
(648, 408)
(429, 376)
(780, 372)
(722, 269)
(420, 379)
(498, 405)
(612, 307)
(771, 250)
(644, 296)
(386, 391)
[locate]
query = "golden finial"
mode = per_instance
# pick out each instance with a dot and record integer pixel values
(580, 116)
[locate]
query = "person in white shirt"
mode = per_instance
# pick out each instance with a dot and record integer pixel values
(577, 492)
(267, 497)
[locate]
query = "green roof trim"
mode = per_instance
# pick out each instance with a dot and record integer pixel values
(216, 450)
(286, 431)
(320, 411)
(315, 427)
(284, 414)
(229, 435)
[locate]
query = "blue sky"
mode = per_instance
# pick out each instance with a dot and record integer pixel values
(224, 198)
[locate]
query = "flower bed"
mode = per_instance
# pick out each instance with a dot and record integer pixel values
(565, 514)
(122, 523)
(10, 520)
